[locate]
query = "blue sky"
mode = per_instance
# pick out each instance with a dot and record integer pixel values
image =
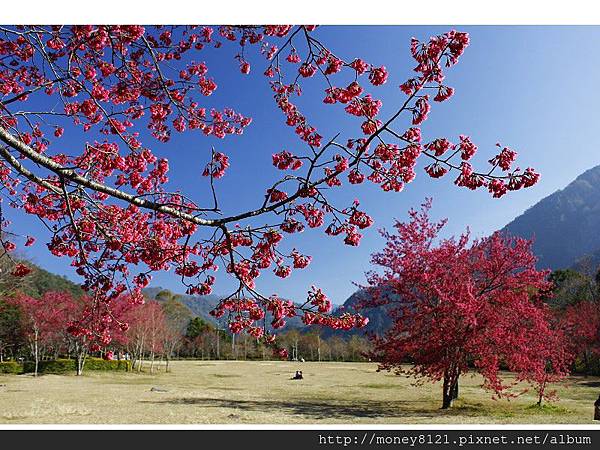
(535, 89)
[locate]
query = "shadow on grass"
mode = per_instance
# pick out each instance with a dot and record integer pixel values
(379, 386)
(325, 410)
(593, 384)
(223, 388)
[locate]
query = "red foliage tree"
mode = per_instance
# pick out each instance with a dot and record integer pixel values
(547, 357)
(100, 331)
(107, 203)
(42, 320)
(581, 323)
(460, 306)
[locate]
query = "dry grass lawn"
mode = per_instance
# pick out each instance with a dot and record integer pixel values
(231, 392)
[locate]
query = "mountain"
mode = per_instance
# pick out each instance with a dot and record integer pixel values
(36, 283)
(379, 319)
(42, 281)
(588, 264)
(566, 224)
(201, 305)
(565, 227)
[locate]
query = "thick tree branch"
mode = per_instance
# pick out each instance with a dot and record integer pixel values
(70, 174)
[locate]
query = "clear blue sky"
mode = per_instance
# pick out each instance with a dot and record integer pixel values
(536, 89)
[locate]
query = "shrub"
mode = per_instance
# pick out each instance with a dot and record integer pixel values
(57, 366)
(11, 367)
(61, 366)
(103, 364)
(589, 367)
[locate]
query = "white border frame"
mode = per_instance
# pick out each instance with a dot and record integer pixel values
(353, 12)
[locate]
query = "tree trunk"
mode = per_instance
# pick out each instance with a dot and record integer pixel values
(80, 363)
(541, 391)
(319, 348)
(36, 353)
(80, 355)
(140, 355)
(447, 399)
(450, 390)
(218, 345)
(233, 354)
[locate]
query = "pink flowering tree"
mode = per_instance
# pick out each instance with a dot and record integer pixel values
(106, 203)
(42, 320)
(581, 324)
(99, 332)
(548, 356)
(460, 305)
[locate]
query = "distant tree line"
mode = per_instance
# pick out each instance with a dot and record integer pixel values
(38, 327)
(198, 338)
(36, 312)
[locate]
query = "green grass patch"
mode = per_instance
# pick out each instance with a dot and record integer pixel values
(12, 367)
(379, 386)
(547, 408)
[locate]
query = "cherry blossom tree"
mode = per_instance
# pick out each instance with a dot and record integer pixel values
(117, 89)
(83, 339)
(548, 356)
(461, 305)
(581, 324)
(41, 319)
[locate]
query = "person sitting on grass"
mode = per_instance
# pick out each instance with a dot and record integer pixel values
(298, 375)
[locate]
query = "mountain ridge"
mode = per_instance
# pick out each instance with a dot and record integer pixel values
(572, 212)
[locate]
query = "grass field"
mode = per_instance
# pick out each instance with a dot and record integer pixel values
(261, 392)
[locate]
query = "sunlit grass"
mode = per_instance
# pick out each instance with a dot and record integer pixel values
(262, 392)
